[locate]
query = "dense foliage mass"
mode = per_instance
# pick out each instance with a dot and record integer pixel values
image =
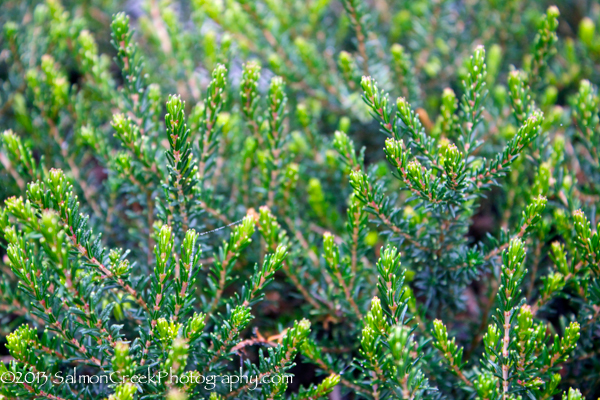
(378, 199)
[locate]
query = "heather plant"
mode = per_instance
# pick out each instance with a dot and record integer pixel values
(221, 199)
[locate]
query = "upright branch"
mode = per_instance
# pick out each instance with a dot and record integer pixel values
(181, 163)
(473, 99)
(225, 260)
(186, 271)
(357, 16)
(544, 44)
(135, 89)
(276, 114)
(342, 272)
(250, 97)
(209, 131)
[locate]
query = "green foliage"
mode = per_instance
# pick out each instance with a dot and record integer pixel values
(301, 199)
